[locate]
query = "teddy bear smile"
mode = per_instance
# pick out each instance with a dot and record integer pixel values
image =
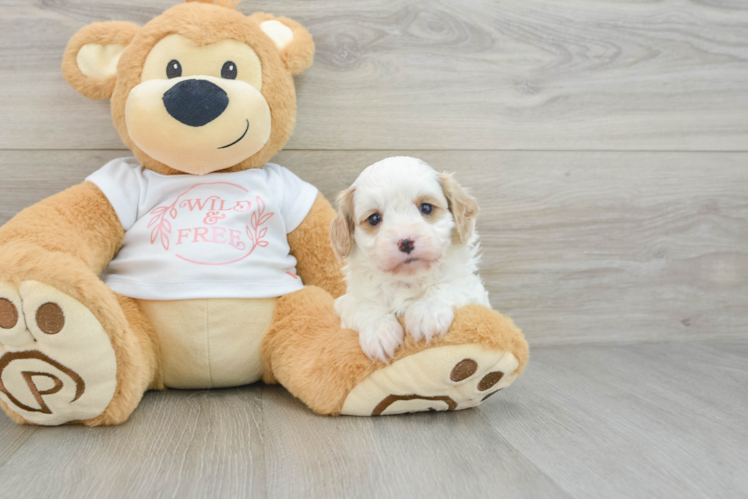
(239, 139)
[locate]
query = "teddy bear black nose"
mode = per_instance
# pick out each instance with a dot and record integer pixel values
(195, 102)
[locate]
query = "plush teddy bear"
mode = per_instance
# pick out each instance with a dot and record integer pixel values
(197, 263)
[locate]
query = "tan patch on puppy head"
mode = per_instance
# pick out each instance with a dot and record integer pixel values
(343, 225)
(464, 208)
(366, 226)
(436, 213)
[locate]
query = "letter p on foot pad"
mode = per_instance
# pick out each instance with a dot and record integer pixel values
(57, 364)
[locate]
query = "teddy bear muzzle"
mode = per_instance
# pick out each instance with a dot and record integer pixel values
(198, 124)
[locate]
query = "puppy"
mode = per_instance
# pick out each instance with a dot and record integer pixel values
(407, 234)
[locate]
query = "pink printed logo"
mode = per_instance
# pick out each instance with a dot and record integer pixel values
(201, 219)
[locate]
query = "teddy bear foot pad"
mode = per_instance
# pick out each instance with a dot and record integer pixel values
(57, 364)
(442, 378)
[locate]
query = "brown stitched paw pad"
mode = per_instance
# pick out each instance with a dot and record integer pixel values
(57, 364)
(443, 378)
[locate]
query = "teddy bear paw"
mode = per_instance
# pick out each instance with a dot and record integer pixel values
(441, 378)
(57, 364)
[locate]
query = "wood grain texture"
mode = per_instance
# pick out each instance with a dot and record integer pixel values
(577, 246)
(12, 438)
(407, 74)
(178, 444)
(658, 420)
(408, 456)
(662, 420)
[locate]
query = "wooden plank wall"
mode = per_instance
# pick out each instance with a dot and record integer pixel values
(606, 141)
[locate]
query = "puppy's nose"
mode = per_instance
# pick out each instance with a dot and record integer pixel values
(406, 246)
(195, 102)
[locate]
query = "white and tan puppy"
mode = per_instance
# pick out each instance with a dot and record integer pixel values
(407, 234)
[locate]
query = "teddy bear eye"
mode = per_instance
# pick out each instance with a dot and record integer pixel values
(173, 69)
(375, 219)
(427, 208)
(229, 70)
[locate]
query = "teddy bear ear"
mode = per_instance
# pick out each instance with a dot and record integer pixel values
(293, 41)
(90, 61)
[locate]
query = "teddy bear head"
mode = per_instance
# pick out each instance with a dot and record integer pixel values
(201, 88)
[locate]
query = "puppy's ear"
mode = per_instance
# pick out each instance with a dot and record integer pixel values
(91, 57)
(343, 225)
(464, 208)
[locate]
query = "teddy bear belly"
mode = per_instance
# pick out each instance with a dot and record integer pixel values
(208, 343)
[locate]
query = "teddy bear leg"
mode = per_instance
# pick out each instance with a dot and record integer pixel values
(71, 350)
(323, 365)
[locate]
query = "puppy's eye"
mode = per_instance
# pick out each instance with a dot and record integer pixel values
(427, 208)
(229, 70)
(173, 69)
(375, 219)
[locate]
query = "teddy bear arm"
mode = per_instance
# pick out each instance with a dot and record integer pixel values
(310, 244)
(79, 221)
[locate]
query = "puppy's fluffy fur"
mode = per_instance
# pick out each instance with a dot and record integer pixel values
(407, 234)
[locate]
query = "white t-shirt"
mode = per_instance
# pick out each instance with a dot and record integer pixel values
(220, 235)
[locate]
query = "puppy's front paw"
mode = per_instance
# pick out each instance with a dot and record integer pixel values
(381, 338)
(426, 319)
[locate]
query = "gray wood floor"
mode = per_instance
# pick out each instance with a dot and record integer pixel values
(663, 420)
(607, 143)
